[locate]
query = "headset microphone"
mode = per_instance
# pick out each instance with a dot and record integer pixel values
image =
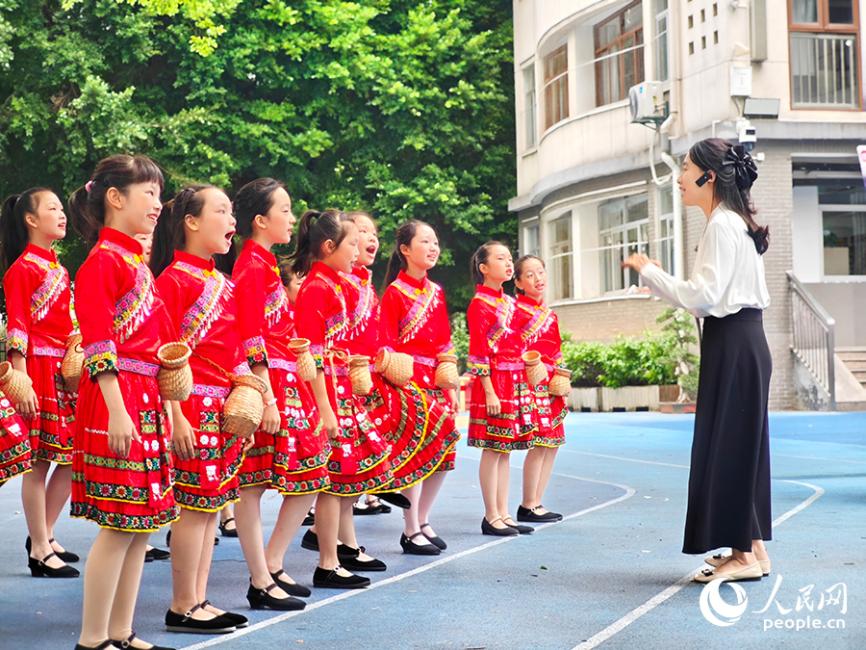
(703, 179)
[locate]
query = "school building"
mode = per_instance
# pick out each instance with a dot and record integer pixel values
(610, 95)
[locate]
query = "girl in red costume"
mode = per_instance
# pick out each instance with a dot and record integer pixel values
(502, 408)
(38, 306)
(414, 321)
(539, 330)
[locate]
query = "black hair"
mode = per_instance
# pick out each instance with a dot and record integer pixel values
(314, 229)
(518, 268)
(87, 203)
(735, 172)
(403, 237)
(480, 257)
(253, 199)
(13, 228)
(286, 274)
(169, 234)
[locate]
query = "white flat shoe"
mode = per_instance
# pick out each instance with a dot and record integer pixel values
(718, 560)
(746, 574)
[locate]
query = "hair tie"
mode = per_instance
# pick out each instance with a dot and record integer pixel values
(745, 169)
(88, 186)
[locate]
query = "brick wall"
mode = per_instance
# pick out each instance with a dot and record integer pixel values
(605, 320)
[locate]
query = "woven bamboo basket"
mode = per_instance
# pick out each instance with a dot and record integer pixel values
(243, 408)
(396, 367)
(536, 373)
(560, 385)
(359, 374)
(73, 363)
(305, 363)
(175, 375)
(14, 383)
(447, 377)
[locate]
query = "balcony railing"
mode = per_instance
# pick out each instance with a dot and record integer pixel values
(814, 340)
(824, 71)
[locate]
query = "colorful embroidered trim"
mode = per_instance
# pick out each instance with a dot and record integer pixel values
(336, 325)
(360, 318)
(134, 306)
(318, 352)
(138, 367)
(283, 364)
(424, 301)
(56, 280)
(206, 390)
(16, 339)
(275, 303)
(478, 366)
(541, 319)
(208, 307)
(100, 357)
(255, 351)
(48, 351)
(504, 311)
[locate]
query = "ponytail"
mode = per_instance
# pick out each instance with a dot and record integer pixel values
(736, 172)
(314, 229)
(403, 237)
(169, 235)
(14, 236)
(87, 203)
(253, 199)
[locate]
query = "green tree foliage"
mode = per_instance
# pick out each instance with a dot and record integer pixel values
(401, 107)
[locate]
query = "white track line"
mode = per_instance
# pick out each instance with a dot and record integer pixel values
(624, 458)
(628, 493)
(659, 598)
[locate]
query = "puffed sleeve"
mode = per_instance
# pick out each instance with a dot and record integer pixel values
(478, 320)
(250, 296)
(312, 316)
(19, 283)
(98, 285)
(705, 288)
(390, 311)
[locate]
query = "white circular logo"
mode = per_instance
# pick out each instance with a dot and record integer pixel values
(716, 610)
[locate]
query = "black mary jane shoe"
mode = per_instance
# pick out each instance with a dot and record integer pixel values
(310, 541)
(395, 499)
(348, 557)
(530, 515)
(156, 554)
(175, 622)
(127, 643)
(108, 643)
(38, 568)
(66, 556)
(310, 519)
(238, 620)
(437, 541)
(523, 530)
(291, 588)
(489, 529)
(262, 599)
(225, 531)
(411, 548)
(330, 579)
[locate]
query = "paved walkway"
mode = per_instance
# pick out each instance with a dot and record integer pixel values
(610, 575)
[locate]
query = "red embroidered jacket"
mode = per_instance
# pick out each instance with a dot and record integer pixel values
(539, 330)
(362, 306)
(38, 302)
(120, 315)
(321, 309)
(201, 303)
(414, 318)
(492, 332)
(264, 315)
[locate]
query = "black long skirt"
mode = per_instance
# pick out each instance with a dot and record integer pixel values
(729, 480)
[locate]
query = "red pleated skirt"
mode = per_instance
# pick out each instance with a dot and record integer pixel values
(294, 460)
(135, 493)
(52, 429)
(515, 426)
(14, 442)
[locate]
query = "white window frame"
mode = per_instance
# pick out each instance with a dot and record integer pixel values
(530, 108)
(555, 255)
(623, 246)
(547, 83)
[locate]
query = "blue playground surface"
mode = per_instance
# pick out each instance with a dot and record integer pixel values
(611, 574)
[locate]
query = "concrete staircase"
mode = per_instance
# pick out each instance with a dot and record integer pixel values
(851, 378)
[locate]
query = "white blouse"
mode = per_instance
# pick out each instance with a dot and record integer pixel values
(728, 274)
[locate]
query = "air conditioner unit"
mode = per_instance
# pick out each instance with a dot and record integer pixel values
(647, 103)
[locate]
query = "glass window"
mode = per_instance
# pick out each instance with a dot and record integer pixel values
(531, 241)
(556, 86)
(840, 11)
(623, 230)
(561, 257)
(661, 48)
(618, 54)
(666, 229)
(805, 11)
(844, 243)
(529, 103)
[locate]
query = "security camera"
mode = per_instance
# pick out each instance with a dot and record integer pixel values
(747, 135)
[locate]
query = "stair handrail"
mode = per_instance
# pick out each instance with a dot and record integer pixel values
(811, 358)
